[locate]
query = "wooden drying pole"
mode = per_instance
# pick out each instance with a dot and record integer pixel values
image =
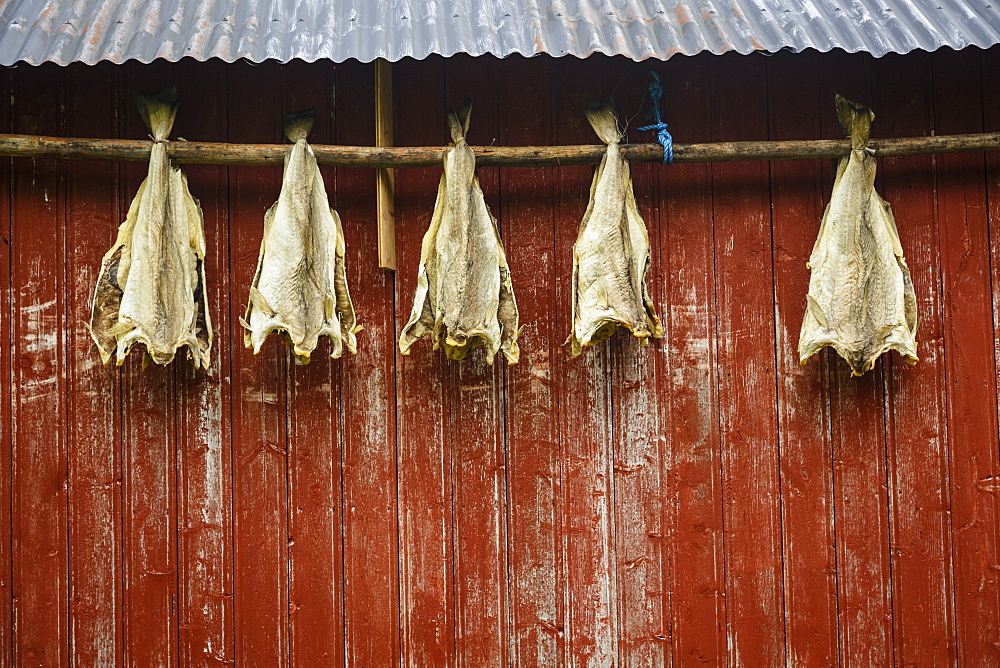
(486, 156)
(385, 202)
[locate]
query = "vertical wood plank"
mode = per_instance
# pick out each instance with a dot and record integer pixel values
(690, 390)
(427, 615)
(205, 441)
(973, 449)
(922, 583)
(585, 436)
(315, 522)
(260, 455)
(475, 410)
(536, 589)
(991, 120)
(798, 192)
(149, 452)
(371, 541)
(750, 456)
(859, 456)
(638, 435)
(39, 468)
(6, 385)
(92, 218)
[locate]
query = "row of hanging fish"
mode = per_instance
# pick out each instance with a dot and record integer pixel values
(464, 298)
(151, 286)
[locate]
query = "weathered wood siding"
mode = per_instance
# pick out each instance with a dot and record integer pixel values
(702, 500)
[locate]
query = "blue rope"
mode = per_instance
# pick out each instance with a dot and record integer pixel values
(662, 136)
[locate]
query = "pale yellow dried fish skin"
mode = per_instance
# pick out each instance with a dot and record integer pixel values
(301, 274)
(156, 264)
(861, 300)
(464, 297)
(611, 253)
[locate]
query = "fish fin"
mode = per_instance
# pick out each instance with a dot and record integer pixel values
(817, 311)
(258, 301)
(120, 328)
(297, 124)
(329, 307)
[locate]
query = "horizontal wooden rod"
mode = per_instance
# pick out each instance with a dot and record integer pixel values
(487, 156)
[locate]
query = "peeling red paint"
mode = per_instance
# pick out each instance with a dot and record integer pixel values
(706, 498)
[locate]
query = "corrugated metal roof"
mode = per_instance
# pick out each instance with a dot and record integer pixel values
(64, 31)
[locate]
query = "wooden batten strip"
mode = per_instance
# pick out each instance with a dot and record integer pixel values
(487, 156)
(384, 182)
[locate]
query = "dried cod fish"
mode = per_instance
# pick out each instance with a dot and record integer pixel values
(300, 288)
(464, 298)
(151, 287)
(860, 298)
(611, 253)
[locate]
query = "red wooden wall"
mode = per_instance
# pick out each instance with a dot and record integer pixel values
(703, 500)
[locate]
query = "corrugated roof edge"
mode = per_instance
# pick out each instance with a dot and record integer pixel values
(147, 61)
(92, 31)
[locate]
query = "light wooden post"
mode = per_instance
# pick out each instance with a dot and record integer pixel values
(384, 182)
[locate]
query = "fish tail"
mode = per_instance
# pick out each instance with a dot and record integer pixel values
(458, 121)
(602, 118)
(158, 110)
(856, 119)
(297, 124)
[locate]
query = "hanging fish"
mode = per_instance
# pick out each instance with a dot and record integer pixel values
(860, 299)
(151, 287)
(464, 298)
(300, 288)
(611, 253)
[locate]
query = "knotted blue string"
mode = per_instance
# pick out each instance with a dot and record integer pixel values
(662, 136)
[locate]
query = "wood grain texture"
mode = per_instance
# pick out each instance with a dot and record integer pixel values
(259, 400)
(532, 442)
(424, 453)
(479, 467)
(798, 195)
(919, 495)
(368, 409)
(689, 392)
(747, 379)
(639, 444)
(973, 449)
(38, 402)
(864, 588)
(205, 461)
(150, 416)
(702, 500)
(7, 640)
(315, 439)
(93, 441)
(585, 436)
(991, 119)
